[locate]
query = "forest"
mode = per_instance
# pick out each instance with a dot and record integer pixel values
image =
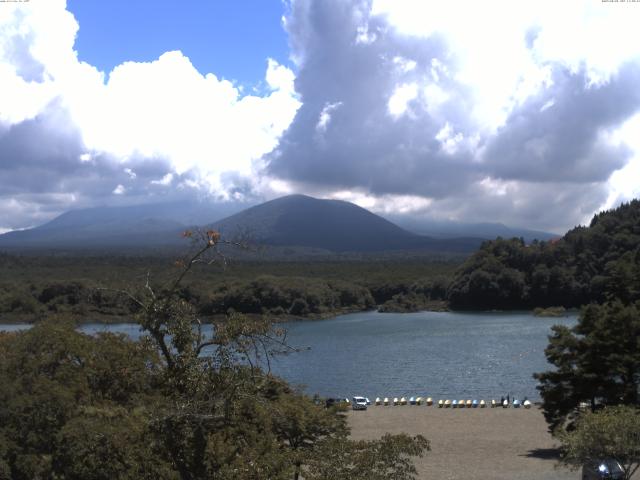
(179, 405)
(589, 264)
(176, 404)
(87, 287)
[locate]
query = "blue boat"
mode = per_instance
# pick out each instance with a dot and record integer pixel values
(474, 404)
(516, 403)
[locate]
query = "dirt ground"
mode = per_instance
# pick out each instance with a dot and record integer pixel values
(471, 443)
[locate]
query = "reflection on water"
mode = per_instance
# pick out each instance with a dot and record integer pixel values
(438, 354)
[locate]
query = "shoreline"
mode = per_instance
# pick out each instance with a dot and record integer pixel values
(30, 319)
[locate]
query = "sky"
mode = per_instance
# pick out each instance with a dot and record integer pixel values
(525, 113)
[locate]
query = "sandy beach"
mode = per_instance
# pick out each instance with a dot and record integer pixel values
(471, 443)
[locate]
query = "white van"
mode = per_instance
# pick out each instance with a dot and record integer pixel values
(359, 403)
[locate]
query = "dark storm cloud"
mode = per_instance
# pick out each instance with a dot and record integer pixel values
(552, 207)
(351, 65)
(552, 150)
(45, 170)
(556, 135)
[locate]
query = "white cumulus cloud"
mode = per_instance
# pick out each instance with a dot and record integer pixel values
(164, 111)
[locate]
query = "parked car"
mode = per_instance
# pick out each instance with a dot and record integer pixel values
(330, 402)
(359, 403)
(603, 469)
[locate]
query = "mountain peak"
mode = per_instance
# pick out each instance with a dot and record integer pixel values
(292, 220)
(334, 225)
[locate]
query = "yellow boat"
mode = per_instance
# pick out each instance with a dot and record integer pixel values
(447, 403)
(483, 404)
(403, 401)
(429, 401)
(440, 403)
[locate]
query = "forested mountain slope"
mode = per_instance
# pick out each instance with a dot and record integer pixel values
(332, 225)
(589, 264)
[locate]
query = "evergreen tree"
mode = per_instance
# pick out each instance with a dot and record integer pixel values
(597, 362)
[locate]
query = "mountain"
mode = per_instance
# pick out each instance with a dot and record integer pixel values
(334, 225)
(448, 229)
(311, 225)
(134, 226)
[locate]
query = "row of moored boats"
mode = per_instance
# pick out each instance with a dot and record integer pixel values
(515, 403)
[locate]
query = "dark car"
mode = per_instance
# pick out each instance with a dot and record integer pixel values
(331, 402)
(604, 469)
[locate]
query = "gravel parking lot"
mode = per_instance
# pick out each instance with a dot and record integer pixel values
(471, 443)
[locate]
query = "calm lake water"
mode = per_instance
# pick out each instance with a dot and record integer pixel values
(437, 354)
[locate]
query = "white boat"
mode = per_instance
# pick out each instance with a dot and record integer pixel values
(526, 404)
(386, 401)
(395, 401)
(403, 401)
(429, 401)
(378, 401)
(483, 404)
(440, 403)
(447, 403)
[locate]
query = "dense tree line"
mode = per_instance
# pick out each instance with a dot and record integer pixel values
(32, 287)
(177, 404)
(591, 397)
(296, 296)
(589, 264)
(422, 294)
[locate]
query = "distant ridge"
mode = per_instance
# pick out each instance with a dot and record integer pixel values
(311, 225)
(135, 226)
(486, 230)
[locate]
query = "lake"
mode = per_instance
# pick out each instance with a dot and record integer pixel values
(437, 354)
